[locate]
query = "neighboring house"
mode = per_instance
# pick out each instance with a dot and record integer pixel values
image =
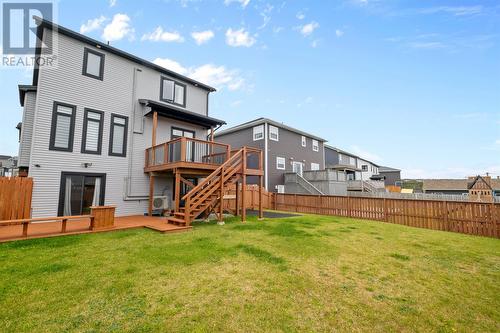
(361, 174)
(480, 189)
(392, 176)
(286, 149)
(87, 123)
(4, 165)
(457, 186)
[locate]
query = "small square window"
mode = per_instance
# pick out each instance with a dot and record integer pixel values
(273, 133)
(93, 64)
(303, 141)
(280, 163)
(314, 166)
(315, 145)
(258, 132)
(172, 91)
(364, 167)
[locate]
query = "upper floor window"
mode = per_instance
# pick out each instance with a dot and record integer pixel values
(92, 131)
(258, 132)
(118, 136)
(280, 163)
(63, 127)
(315, 145)
(93, 64)
(364, 167)
(340, 158)
(303, 141)
(173, 92)
(273, 133)
(351, 161)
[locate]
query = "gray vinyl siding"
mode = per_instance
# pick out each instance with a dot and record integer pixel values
(114, 94)
(290, 147)
(239, 139)
(27, 128)
(391, 177)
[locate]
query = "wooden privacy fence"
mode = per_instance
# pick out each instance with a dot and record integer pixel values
(473, 218)
(15, 197)
(251, 198)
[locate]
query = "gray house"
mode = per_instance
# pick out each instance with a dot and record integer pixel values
(392, 176)
(286, 149)
(87, 123)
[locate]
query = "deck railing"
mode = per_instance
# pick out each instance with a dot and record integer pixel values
(187, 150)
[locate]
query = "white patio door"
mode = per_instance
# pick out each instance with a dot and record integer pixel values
(298, 167)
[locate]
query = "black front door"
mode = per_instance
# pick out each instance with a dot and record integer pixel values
(80, 191)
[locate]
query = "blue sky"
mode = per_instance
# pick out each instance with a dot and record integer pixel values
(409, 84)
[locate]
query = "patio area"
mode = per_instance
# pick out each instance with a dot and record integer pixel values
(81, 226)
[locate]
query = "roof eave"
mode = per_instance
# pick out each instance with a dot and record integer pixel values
(103, 46)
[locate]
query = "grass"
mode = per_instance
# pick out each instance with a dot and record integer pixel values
(307, 273)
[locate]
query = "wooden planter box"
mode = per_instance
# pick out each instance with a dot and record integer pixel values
(104, 217)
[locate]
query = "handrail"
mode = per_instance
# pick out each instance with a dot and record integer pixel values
(213, 174)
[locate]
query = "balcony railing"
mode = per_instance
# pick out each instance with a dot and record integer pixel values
(187, 150)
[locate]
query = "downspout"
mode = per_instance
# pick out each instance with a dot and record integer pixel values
(266, 185)
(128, 184)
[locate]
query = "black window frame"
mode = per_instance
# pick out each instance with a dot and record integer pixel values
(364, 167)
(182, 130)
(162, 78)
(53, 125)
(111, 132)
(62, 187)
(84, 132)
(86, 52)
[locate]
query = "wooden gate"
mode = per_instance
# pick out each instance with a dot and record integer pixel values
(15, 197)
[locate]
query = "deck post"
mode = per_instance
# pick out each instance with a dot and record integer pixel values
(221, 198)
(183, 149)
(151, 193)
(211, 133)
(237, 204)
(244, 185)
(177, 190)
(261, 214)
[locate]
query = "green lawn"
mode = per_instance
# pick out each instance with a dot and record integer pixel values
(305, 273)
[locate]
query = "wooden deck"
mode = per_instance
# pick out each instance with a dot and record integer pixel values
(53, 229)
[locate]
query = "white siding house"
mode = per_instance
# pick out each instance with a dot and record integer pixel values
(110, 96)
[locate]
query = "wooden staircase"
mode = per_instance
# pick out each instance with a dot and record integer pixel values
(207, 196)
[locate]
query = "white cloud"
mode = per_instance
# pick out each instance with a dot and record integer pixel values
(172, 65)
(357, 150)
(239, 37)
(300, 16)
(315, 43)
(93, 24)
(158, 35)
(118, 28)
(235, 103)
(339, 33)
(112, 3)
(202, 37)
(427, 45)
(309, 28)
(497, 142)
(277, 30)
(243, 3)
(213, 75)
(266, 15)
(454, 10)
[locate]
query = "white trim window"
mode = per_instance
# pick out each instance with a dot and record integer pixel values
(314, 166)
(274, 133)
(315, 145)
(280, 163)
(303, 141)
(280, 188)
(258, 133)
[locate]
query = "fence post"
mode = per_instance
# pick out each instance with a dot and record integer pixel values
(349, 206)
(386, 218)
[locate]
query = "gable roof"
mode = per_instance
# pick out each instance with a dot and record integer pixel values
(477, 179)
(263, 120)
(453, 184)
(349, 154)
(387, 169)
(42, 23)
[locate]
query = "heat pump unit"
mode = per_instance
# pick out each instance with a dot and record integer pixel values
(161, 202)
